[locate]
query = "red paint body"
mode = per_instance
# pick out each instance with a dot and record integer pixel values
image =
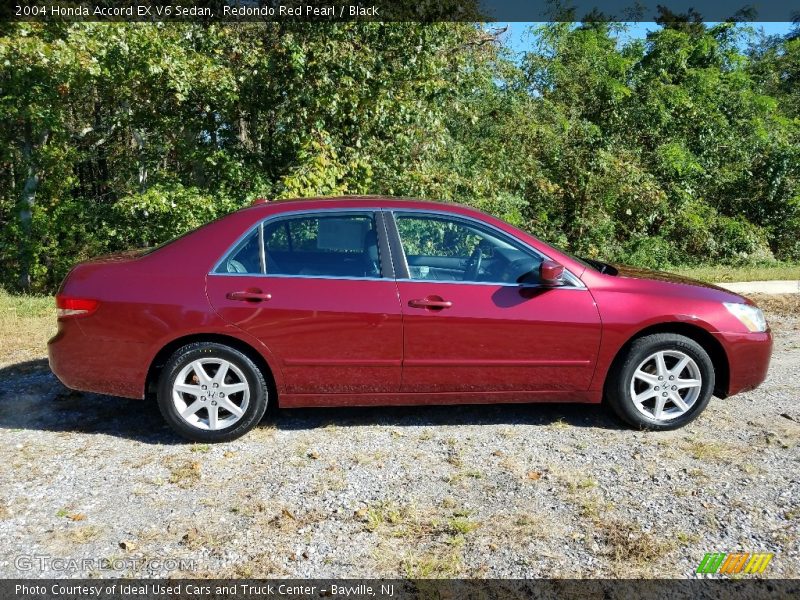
(343, 341)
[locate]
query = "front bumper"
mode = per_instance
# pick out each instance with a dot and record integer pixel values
(748, 359)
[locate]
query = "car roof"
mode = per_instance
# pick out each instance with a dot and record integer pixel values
(373, 201)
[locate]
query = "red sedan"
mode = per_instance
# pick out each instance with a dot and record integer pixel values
(378, 301)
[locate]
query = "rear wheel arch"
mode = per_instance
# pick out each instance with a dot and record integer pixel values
(163, 355)
(709, 343)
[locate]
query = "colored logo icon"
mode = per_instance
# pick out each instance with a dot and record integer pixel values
(732, 563)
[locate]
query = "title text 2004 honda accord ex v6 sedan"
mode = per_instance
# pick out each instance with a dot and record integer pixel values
(377, 301)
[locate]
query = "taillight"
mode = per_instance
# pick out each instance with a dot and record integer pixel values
(67, 306)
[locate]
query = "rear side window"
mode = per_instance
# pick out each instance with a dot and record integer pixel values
(245, 258)
(330, 245)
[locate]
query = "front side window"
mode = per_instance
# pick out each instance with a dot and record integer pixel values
(441, 248)
(337, 245)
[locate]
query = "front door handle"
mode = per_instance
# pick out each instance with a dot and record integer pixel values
(249, 296)
(431, 302)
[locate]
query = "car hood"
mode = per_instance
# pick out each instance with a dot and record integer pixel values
(640, 273)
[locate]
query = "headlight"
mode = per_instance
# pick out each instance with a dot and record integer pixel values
(750, 316)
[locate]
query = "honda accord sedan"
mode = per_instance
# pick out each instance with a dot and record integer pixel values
(364, 301)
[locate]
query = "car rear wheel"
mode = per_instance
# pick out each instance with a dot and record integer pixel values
(209, 392)
(663, 382)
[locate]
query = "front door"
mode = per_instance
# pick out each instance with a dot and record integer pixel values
(311, 287)
(469, 327)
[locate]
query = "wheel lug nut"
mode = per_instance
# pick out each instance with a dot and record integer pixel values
(213, 403)
(216, 385)
(671, 377)
(674, 387)
(221, 395)
(664, 394)
(656, 388)
(660, 378)
(203, 398)
(205, 387)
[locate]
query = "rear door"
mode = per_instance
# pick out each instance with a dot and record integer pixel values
(470, 327)
(317, 289)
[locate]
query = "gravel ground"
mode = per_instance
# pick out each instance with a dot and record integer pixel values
(479, 491)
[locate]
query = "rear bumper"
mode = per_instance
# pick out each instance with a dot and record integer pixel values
(748, 359)
(95, 365)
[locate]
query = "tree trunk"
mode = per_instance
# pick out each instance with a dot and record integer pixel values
(26, 203)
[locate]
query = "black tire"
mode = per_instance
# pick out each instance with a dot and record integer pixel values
(258, 392)
(618, 393)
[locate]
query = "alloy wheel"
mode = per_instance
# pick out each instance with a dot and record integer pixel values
(211, 394)
(666, 385)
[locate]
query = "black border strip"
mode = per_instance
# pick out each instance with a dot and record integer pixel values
(394, 589)
(399, 10)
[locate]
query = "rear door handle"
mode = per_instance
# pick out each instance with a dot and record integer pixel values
(249, 296)
(432, 302)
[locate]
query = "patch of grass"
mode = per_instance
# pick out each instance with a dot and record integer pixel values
(184, 473)
(698, 474)
(686, 539)
(255, 568)
(591, 507)
(785, 305)
(462, 526)
(454, 453)
(510, 464)
(409, 521)
(249, 508)
(196, 538)
(26, 323)
(529, 526)
(27, 307)
(432, 565)
(709, 451)
(373, 458)
(726, 273)
(516, 528)
(82, 535)
(750, 469)
(630, 546)
(462, 475)
(384, 513)
(200, 448)
(575, 484)
(583, 492)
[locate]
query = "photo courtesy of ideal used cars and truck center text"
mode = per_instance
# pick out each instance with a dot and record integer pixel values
(393, 299)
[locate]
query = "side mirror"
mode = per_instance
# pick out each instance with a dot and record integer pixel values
(551, 273)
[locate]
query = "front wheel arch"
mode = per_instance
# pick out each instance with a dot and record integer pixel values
(710, 344)
(644, 375)
(163, 355)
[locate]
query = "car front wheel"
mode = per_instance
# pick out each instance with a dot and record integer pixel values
(209, 392)
(663, 382)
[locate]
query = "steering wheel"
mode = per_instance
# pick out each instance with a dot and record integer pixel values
(475, 260)
(234, 266)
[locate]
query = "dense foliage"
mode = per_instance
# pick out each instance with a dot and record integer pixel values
(681, 148)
